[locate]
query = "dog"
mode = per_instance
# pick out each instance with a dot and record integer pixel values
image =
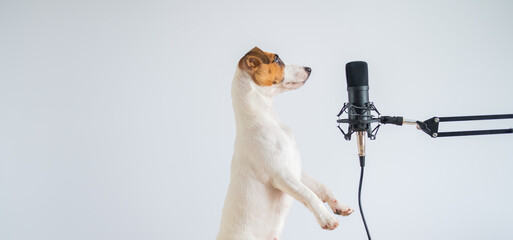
(265, 173)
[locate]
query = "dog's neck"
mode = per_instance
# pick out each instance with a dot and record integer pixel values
(252, 104)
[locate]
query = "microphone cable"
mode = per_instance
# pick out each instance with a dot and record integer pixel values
(362, 165)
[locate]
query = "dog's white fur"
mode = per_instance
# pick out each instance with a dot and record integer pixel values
(266, 168)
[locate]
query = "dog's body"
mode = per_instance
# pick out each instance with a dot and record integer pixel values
(266, 168)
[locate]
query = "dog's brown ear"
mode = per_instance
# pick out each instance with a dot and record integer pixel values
(253, 59)
(253, 62)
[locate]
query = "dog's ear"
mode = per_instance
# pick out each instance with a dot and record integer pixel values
(253, 62)
(253, 59)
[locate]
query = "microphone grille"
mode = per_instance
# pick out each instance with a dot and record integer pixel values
(357, 74)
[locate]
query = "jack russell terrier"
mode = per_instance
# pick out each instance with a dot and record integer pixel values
(266, 167)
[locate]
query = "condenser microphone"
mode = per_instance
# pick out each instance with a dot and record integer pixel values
(358, 94)
(359, 114)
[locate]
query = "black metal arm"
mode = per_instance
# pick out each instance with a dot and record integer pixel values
(430, 126)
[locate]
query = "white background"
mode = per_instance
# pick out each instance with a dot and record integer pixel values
(116, 118)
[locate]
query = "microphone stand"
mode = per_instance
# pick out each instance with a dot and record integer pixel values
(364, 117)
(430, 126)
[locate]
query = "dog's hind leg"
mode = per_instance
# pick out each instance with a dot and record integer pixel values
(292, 186)
(326, 195)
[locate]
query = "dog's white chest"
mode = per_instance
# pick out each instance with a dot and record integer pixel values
(294, 158)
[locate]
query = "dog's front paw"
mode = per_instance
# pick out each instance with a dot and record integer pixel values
(327, 220)
(340, 208)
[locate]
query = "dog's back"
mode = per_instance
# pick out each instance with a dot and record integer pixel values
(254, 208)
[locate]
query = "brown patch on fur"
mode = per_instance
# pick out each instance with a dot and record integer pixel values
(262, 67)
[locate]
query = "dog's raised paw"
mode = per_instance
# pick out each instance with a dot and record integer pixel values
(339, 208)
(328, 221)
(345, 212)
(330, 227)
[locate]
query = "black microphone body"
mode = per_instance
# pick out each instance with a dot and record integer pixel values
(358, 95)
(359, 111)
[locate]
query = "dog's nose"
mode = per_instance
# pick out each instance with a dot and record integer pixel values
(308, 70)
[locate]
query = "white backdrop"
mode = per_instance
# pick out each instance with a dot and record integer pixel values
(116, 118)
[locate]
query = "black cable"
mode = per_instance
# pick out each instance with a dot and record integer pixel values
(362, 165)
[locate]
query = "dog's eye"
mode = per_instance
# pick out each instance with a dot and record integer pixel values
(276, 58)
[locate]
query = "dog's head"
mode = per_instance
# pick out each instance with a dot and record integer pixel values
(267, 70)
